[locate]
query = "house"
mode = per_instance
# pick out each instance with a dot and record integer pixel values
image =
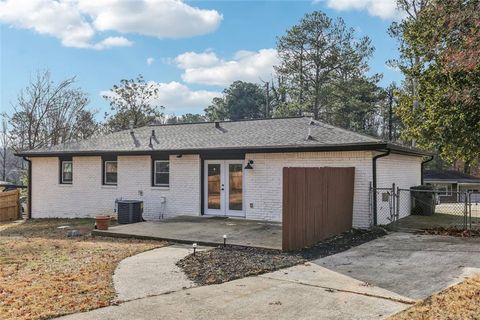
(228, 168)
(452, 185)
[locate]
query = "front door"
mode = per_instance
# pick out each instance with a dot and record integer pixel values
(224, 188)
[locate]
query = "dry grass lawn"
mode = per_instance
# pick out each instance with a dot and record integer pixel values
(44, 274)
(461, 301)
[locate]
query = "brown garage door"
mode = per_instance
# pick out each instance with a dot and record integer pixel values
(317, 204)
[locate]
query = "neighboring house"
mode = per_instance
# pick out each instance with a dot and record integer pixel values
(6, 186)
(230, 168)
(452, 185)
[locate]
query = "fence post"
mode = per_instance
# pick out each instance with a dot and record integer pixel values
(470, 209)
(392, 209)
(370, 202)
(398, 203)
(465, 211)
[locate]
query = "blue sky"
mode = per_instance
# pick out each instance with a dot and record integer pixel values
(191, 50)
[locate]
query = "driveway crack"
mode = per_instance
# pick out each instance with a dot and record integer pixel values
(330, 289)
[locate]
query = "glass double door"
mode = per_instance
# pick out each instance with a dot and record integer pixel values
(224, 187)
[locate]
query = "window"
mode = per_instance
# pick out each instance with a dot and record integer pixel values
(66, 171)
(443, 190)
(161, 173)
(110, 172)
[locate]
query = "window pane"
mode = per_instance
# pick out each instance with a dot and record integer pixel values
(162, 166)
(235, 186)
(111, 166)
(67, 169)
(162, 169)
(111, 177)
(213, 186)
(110, 172)
(162, 179)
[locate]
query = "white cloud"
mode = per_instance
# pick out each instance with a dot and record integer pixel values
(77, 22)
(207, 68)
(113, 42)
(150, 61)
(190, 60)
(59, 19)
(159, 18)
(385, 9)
(178, 98)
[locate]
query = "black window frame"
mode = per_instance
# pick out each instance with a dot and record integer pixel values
(105, 160)
(154, 166)
(63, 160)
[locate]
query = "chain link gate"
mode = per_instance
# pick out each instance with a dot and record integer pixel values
(460, 210)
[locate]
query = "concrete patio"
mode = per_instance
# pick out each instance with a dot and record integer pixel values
(203, 230)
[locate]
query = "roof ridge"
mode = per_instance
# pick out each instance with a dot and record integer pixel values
(221, 121)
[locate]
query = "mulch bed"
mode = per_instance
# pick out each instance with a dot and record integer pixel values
(228, 263)
(451, 231)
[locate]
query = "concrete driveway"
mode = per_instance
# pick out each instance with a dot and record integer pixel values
(409, 264)
(156, 291)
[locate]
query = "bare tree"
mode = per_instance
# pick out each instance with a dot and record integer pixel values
(48, 113)
(4, 141)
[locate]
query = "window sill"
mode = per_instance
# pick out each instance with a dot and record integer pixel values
(160, 188)
(109, 186)
(65, 184)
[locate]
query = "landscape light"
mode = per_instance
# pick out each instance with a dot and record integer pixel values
(224, 240)
(194, 245)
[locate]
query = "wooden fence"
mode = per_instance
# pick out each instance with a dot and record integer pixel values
(10, 205)
(317, 204)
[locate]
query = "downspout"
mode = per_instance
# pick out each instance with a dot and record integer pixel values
(421, 168)
(374, 182)
(29, 208)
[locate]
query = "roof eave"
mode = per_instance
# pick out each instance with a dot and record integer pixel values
(251, 149)
(372, 146)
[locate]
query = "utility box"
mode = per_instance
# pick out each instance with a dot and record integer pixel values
(130, 211)
(422, 200)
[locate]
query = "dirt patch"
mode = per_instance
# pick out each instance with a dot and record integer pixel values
(44, 274)
(228, 263)
(461, 301)
(451, 231)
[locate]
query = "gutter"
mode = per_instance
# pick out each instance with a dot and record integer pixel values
(374, 182)
(29, 208)
(374, 146)
(421, 168)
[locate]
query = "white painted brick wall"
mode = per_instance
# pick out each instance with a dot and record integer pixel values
(263, 184)
(405, 172)
(87, 197)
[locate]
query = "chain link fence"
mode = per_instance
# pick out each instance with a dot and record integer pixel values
(431, 208)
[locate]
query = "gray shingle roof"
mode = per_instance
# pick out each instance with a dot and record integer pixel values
(250, 134)
(449, 175)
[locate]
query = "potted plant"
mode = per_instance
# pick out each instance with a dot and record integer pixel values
(102, 222)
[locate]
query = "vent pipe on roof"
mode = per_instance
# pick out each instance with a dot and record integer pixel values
(150, 144)
(309, 134)
(312, 122)
(217, 124)
(130, 125)
(153, 133)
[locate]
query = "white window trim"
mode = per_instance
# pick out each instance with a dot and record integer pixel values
(163, 185)
(105, 182)
(444, 190)
(61, 178)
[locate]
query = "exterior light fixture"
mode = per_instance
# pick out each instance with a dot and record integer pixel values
(194, 245)
(224, 240)
(249, 165)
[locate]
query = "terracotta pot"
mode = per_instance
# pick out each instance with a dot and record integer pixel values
(102, 222)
